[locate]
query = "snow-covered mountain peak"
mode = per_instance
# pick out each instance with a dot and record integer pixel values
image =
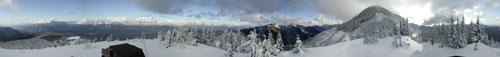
(48, 21)
(373, 16)
(373, 22)
(372, 10)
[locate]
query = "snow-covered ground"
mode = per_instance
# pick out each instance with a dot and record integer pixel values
(354, 48)
(430, 50)
(152, 48)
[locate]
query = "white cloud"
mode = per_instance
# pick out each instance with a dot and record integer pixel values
(283, 19)
(252, 18)
(494, 21)
(9, 3)
(280, 18)
(416, 13)
(319, 20)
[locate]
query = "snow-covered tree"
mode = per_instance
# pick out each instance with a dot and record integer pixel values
(401, 29)
(164, 38)
(370, 40)
(461, 38)
(298, 46)
(397, 41)
(279, 42)
(88, 44)
(457, 35)
(268, 48)
(404, 28)
(110, 38)
(179, 35)
(255, 45)
(207, 37)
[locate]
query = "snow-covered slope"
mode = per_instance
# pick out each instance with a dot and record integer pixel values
(354, 48)
(430, 50)
(26, 44)
(385, 48)
(152, 48)
(331, 36)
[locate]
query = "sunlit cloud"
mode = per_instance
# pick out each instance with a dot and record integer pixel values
(416, 13)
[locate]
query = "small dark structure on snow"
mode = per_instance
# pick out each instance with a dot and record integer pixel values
(122, 50)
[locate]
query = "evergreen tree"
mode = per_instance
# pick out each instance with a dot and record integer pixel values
(404, 28)
(457, 34)
(462, 40)
(279, 42)
(298, 45)
(254, 44)
(450, 42)
(166, 38)
(110, 38)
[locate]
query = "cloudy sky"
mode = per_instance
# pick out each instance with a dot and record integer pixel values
(313, 12)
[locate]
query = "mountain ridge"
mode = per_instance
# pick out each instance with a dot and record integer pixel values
(372, 23)
(7, 34)
(367, 15)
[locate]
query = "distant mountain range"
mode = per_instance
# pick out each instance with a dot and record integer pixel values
(101, 29)
(99, 32)
(7, 34)
(493, 32)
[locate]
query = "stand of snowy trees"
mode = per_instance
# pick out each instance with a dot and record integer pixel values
(402, 29)
(458, 35)
(231, 41)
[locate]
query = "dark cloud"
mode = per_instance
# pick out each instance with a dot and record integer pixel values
(163, 6)
(253, 11)
(223, 7)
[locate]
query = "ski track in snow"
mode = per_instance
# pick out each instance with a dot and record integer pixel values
(354, 48)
